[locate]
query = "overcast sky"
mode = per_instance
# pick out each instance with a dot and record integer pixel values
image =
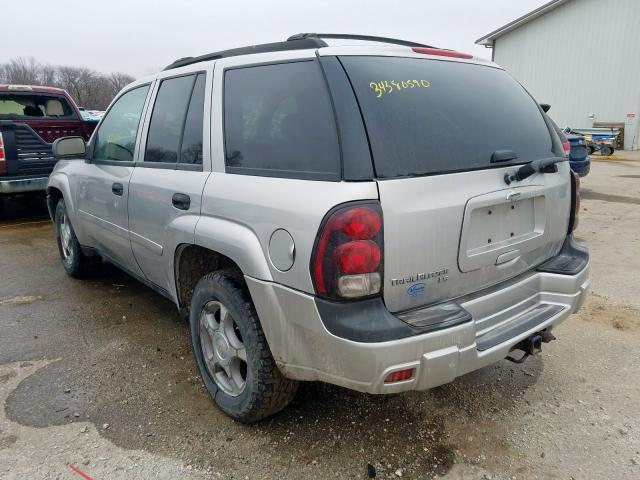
(142, 36)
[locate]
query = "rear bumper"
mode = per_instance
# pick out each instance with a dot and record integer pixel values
(9, 186)
(501, 317)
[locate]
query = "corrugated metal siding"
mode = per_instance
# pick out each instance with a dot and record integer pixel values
(582, 58)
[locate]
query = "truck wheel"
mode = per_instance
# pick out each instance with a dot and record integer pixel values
(75, 263)
(232, 353)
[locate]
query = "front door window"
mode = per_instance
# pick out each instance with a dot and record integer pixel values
(116, 138)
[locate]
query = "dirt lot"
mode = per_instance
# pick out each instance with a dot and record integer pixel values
(98, 374)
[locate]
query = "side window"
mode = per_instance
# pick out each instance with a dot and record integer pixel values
(278, 122)
(191, 148)
(116, 137)
(167, 119)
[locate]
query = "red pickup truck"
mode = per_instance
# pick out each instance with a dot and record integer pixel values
(31, 118)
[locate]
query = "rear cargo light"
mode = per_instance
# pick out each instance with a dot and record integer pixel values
(575, 201)
(347, 256)
(566, 147)
(442, 52)
(3, 159)
(399, 375)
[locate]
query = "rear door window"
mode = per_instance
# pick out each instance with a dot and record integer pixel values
(175, 129)
(191, 148)
(427, 116)
(167, 119)
(279, 122)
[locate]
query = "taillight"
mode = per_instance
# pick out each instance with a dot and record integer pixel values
(442, 52)
(566, 148)
(3, 159)
(361, 256)
(575, 201)
(347, 256)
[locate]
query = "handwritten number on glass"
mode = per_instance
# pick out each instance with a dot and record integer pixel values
(386, 87)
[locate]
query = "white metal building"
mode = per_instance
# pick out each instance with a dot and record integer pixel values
(580, 56)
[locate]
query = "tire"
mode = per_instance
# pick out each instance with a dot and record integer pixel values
(75, 263)
(225, 329)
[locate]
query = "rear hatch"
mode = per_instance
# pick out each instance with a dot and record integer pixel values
(452, 226)
(29, 123)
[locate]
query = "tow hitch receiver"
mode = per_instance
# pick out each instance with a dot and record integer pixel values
(530, 346)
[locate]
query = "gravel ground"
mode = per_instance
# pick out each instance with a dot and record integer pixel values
(98, 374)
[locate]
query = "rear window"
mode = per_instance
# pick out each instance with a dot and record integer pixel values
(427, 116)
(278, 122)
(33, 106)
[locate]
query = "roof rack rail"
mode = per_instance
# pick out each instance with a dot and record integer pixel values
(296, 44)
(347, 36)
(300, 41)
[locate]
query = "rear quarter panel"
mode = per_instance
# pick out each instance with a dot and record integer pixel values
(250, 208)
(241, 212)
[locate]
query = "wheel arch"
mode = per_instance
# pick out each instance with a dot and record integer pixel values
(53, 197)
(193, 261)
(58, 188)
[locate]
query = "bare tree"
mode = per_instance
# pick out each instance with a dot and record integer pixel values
(118, 81)
(48, 75)
(78, 81)
(22, 70)
(88, 88)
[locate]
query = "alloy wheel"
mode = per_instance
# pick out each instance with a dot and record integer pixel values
(65, 238)
(225, 355)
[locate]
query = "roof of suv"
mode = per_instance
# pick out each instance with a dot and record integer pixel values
(31, 88)
(313, 41)
(300, 41)
(305, 43)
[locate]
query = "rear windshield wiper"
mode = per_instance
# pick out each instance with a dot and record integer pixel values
(503, 156)
(543, 165)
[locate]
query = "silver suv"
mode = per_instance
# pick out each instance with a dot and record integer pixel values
(384, 217)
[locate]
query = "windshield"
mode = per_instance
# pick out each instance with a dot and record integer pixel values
(427, 116)
(34, 106)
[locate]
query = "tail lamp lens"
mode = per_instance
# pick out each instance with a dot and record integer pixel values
(566, 147)
(361, 256)
(347, 257)
(3, 160)
(575, 201)
(361, 223)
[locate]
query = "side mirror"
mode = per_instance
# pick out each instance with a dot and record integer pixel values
(545, 107)
(67, 147)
